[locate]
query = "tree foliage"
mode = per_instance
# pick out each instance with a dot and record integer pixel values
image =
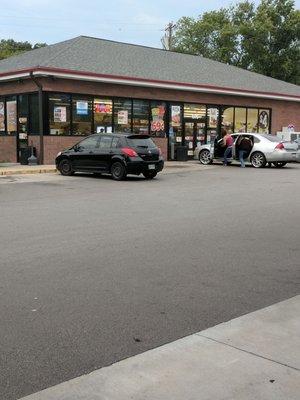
(263, 39)
(10, 47)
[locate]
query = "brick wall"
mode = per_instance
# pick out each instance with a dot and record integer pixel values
(283, 112)
(54, 144)
(8, 149)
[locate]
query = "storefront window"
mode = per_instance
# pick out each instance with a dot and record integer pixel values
(11, 114)
(103, 115)
(264, 121)
(82, 115)
(212, 124)
(33, 113)
(141, 116)
(175, 128)
(23, 116)
(122, 115)
(252, 114)
(158, 115)
(194, 111)
(227, 118)
(240, 120)
(59, 114)
(2, 115)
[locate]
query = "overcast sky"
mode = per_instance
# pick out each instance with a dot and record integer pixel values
(133, 21)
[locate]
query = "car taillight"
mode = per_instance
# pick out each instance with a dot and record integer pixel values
(280, 146)
(129, 152)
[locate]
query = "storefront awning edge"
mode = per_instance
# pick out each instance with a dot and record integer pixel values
(133, 81)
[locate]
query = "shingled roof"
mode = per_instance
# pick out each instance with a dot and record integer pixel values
(87, 55)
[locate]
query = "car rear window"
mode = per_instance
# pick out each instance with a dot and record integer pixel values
(141, 142)
(271, 138)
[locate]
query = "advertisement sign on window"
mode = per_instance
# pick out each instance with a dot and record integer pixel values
(213, 117)
(175, 115)
(11, 112)
(60, 114)
(263, 119)
(123, 117)
(82, 108)
(2, 121)
(157, 114)
(102, 108)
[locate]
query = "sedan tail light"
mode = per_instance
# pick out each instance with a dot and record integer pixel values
(129, 152)
(280, 146)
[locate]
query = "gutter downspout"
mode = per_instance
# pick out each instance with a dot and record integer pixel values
(41, 124)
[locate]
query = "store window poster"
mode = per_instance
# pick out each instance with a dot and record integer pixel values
(123, 117)
(157, 123)
(60, 114)
(175, 115)
(82, 108)
(11, 110)
(213, 117)
(2, 120)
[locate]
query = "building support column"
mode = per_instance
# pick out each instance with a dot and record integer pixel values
(41, 121)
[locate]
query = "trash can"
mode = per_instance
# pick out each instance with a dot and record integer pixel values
(181, 153)
(25, 153)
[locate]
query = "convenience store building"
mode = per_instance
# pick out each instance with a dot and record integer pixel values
(52, 96)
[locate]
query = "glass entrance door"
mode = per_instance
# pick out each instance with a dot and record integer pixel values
(194, 134)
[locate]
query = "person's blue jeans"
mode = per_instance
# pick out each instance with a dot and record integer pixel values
(227, 154)
(241, 157)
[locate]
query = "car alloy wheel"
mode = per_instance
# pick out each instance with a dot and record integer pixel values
(204, 157)
(279, 164)
(65, 167)
(118, 171)
(258, 160)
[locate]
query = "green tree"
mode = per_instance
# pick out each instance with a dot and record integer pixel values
(263, 39)
(10, 47)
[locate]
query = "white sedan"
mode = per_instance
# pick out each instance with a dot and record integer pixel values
(265, 149)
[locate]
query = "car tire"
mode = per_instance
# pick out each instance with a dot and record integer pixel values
(118, 171)
(150, 174)
(65, 167)
(204, 157)
(279, 164)
(258, 160)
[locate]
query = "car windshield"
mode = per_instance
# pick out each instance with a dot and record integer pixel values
(141, 142)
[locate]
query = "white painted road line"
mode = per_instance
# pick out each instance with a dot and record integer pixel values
(253, 357)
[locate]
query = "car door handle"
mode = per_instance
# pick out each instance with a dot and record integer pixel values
(91, 152)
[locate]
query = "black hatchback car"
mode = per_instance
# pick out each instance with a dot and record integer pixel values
(116, 154)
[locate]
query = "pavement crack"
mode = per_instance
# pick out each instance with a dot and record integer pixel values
(248, 352)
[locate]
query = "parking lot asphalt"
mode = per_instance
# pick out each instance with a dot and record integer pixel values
(93, 271)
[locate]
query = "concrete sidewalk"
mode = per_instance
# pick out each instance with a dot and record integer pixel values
(253, 357)
(17, 169)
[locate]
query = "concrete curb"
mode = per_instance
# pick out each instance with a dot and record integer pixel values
(169, 166)
(255, 356)
(16, 171)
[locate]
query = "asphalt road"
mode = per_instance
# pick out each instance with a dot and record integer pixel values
(93, 271)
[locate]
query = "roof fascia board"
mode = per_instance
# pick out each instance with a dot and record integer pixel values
(79, 75)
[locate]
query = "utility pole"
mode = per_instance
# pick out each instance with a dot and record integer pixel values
(168, 37)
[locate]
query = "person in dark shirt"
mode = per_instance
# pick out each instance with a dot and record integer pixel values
(244, 145)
